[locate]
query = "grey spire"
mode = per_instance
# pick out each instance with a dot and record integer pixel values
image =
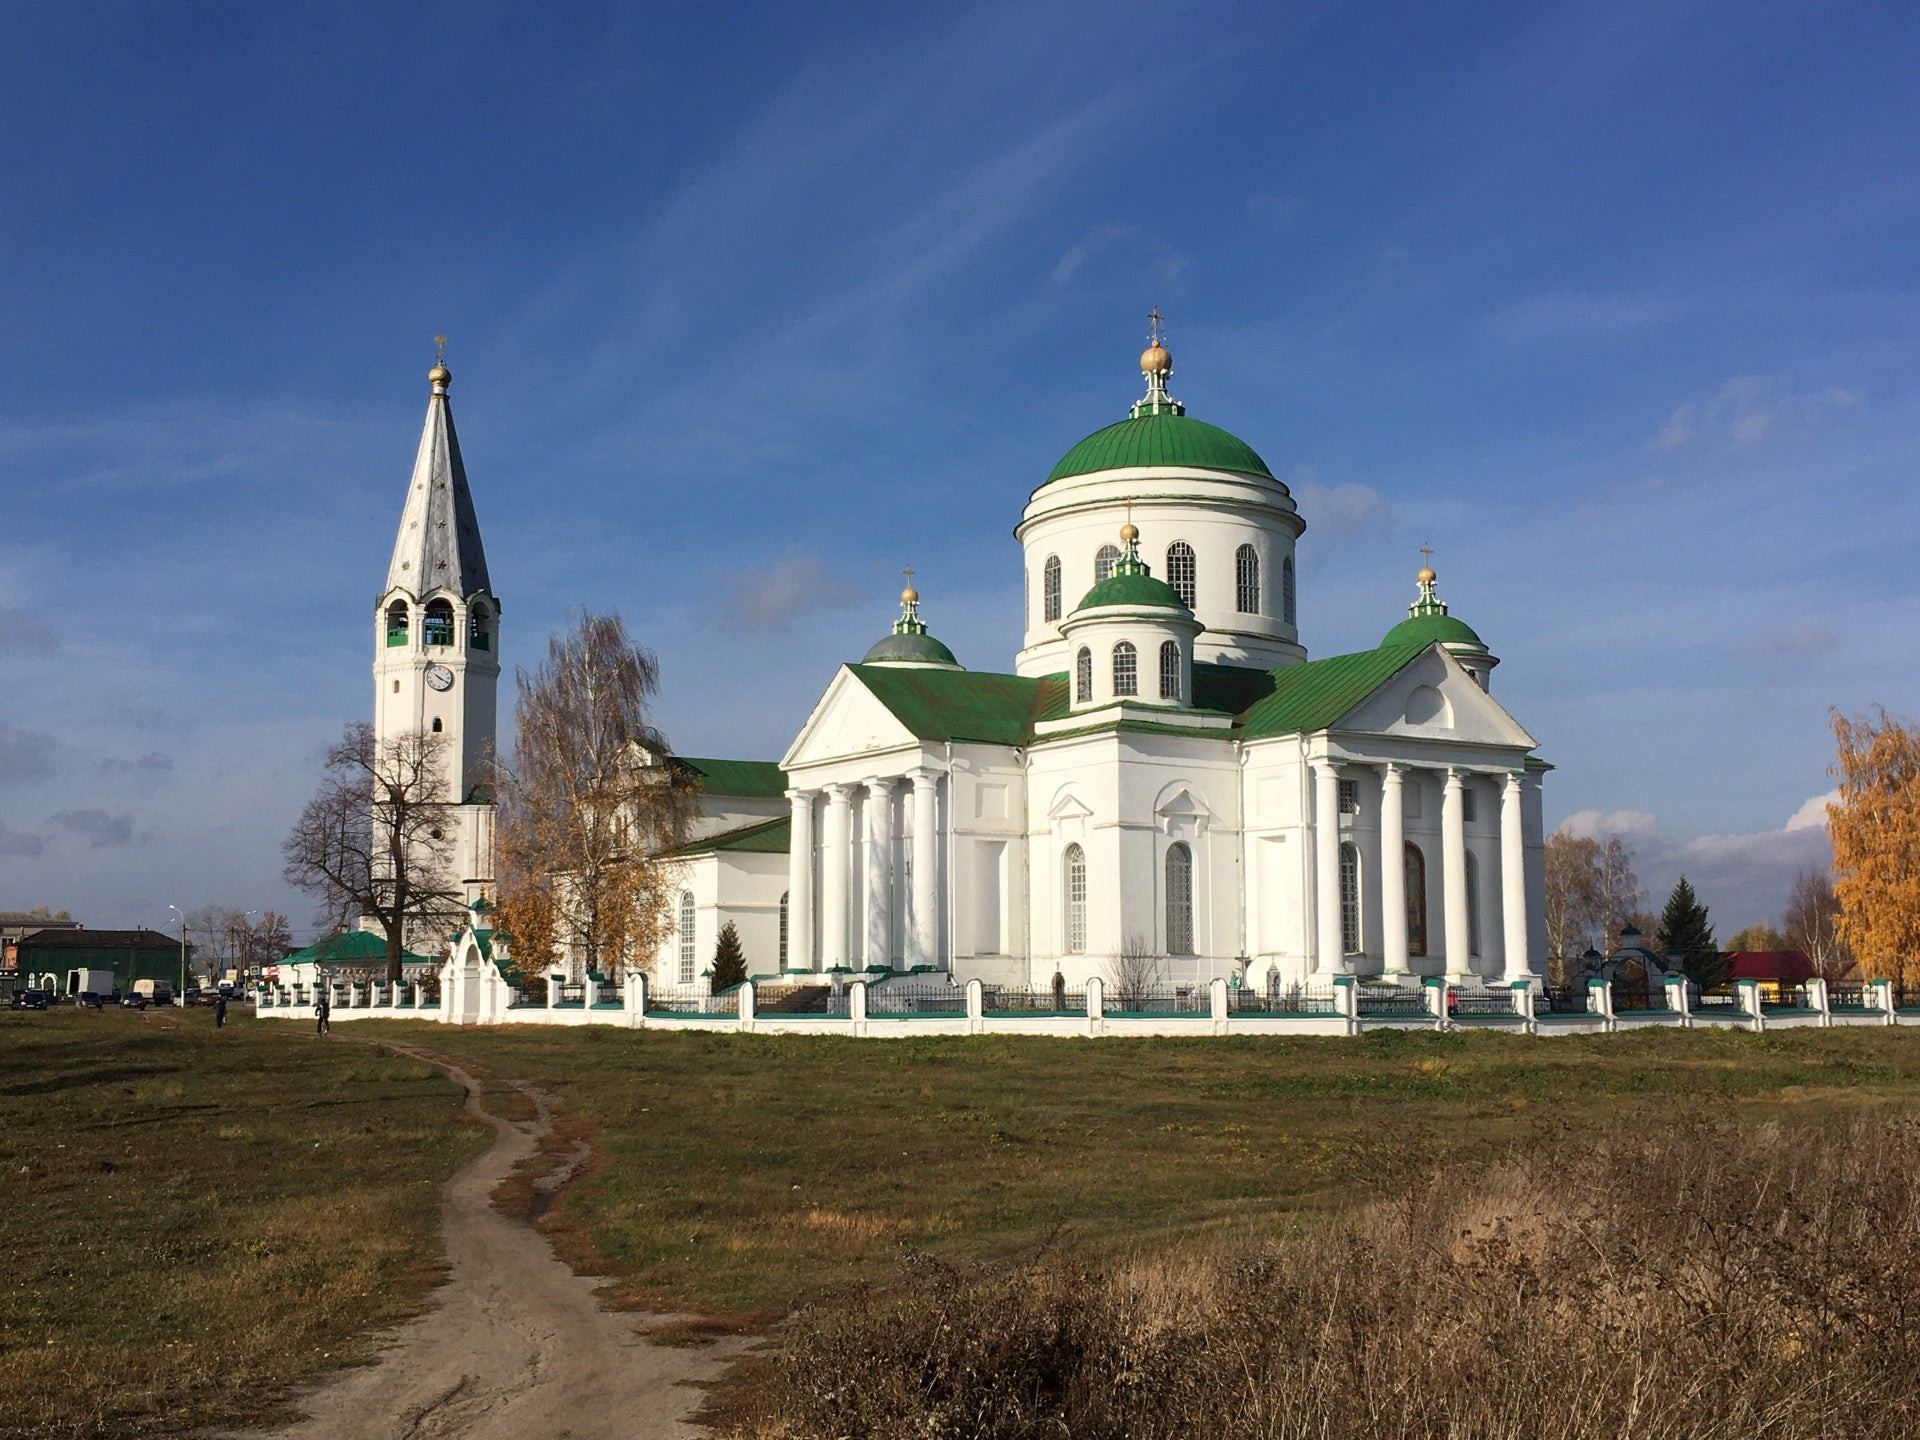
(439, 542)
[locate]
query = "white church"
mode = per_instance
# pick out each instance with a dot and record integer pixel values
(1163, 776)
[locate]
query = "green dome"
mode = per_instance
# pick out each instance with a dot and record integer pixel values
(910, 649)
(1166, 438)
(1425, 629)
(1122, 588)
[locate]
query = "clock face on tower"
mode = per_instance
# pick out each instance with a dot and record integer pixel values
(439, 677)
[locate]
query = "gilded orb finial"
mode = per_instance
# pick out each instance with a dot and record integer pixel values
(439, 376)
(1129, 532)
(1155, 359)
(1426, 575)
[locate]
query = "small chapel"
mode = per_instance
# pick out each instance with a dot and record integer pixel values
(1163, 774)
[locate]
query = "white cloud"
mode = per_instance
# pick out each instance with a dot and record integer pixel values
(1747, 410)
(772, 599)
(1343, 509)
(1580, 315)
(1813, 814)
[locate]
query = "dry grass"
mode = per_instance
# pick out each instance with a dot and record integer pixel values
(196, 1221)
(1697, 1283)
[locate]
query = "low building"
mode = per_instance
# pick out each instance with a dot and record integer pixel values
(41, 960)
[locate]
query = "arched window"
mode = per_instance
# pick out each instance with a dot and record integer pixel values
(438, 628)
(1126, 669)
(1170, 670)
(783, 931)
(1179, 899)
(1083, 675)
(1104, 562)
(685, 927)
(436, 724)
(1473, 905)
(1050, 588)
(397, 623)
(477, 627)
(1180, 571)
(1075, 909)
(1416, 900)
(1350, 898)
(1286, 591)
(1246, 580)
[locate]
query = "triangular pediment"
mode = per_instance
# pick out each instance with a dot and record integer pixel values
(849, 721)
(1433, 697)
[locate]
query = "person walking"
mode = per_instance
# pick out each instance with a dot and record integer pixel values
(220, 1010)
(321, 1010)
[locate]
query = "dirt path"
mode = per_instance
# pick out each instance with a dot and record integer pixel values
(516, 1345)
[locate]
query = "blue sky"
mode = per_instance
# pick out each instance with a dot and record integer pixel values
(1614, 306)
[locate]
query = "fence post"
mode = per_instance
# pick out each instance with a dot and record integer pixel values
(590, 993)
(554, 982)
(1878, 995)
(976, 1006)
(1749, 993)
(748, 1006)
(1346, 1002)
(857, 1006)
(635, 998)
(1217, 996)
(1600, 1002)
(1678, 999)
(1817, 999)
(1523, 1005)
(1096, 1005)
(1433, 990)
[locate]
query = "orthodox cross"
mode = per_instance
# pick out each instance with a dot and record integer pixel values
(1426, 555)
(1153, 326)
(439, 349)
(908, 572)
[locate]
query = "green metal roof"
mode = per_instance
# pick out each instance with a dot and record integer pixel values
(767, 837)
(1163, 439)
(1142, 589)
(1425, 629)
(909, 648)
(963, 704)
(760, 779)
(1312, 696)
(353, 947)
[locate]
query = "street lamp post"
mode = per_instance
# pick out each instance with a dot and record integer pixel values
(181, 999)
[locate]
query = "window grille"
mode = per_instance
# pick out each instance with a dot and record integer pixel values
(1170, 670)
(1050, 588)
(1473, 905)
(1180, 570)
(1104, 562)
(1349, 797)
(397, 623)
(783, 932)
(687, 975)
(1286, 591)
(1179, 899)
(1083, 675)
(438, 626)
(477, 627)
(1416, 901)
(1246, 566)
(1126, 669)
(1350, 898)
(1076, 900)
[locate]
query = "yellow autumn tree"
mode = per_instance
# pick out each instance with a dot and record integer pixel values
(1875, 829)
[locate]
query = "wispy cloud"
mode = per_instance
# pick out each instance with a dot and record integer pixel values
(150, 768)
(1747, 410)
(25, 754)
(1802, 640)
(1581, 315)
(100, 830)
(797, 584)
(21, 632)
(1344, 509)
(20, 845)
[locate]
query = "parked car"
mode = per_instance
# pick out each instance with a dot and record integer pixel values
(134, 1001)
(29, 999)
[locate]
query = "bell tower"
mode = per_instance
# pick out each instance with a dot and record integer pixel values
(436, 642)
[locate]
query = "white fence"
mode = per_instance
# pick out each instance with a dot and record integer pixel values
(928, 1005)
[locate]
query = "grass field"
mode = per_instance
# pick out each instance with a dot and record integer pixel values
(194, 1220)
(748, 1173)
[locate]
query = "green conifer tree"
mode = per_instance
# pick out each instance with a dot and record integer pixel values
(1686, 931)
(729, 960)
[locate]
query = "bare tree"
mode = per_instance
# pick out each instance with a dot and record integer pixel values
(590, 806)
(1812, 910)
(1136, 974)
(1572, 865)
(1620, 896)
(376, 840)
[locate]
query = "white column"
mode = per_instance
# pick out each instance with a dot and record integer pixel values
(880, 872)
(1513, 882)
(1393, 871)
(835, 840)
(925, 947)
(800, 883)
(1328, 952)
(1453, 870)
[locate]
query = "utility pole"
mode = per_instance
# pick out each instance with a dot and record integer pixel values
(182, 999)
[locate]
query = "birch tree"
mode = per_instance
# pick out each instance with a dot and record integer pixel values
(1812, 924)
(1875, 830)
(589, 806)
